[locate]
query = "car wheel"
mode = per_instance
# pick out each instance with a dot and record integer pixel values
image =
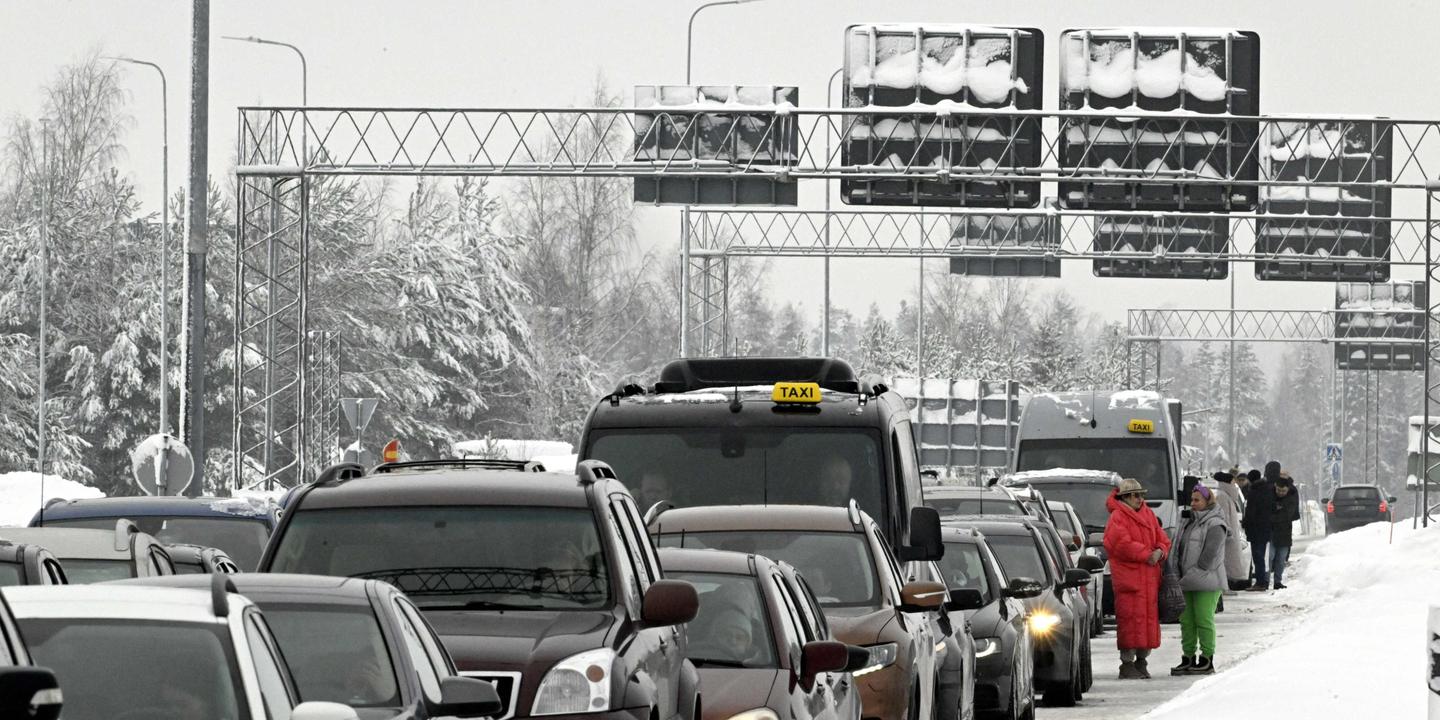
(1087, 667)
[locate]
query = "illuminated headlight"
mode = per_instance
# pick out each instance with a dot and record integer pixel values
(985, 647)
(577, 684)
(756, 714)
(1043, 621)
(881, 656)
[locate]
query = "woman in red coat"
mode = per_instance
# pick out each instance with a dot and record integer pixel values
(1137, 547)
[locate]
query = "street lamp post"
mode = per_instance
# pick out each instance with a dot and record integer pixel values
(690, 29)
(304, 72)
(164, 241)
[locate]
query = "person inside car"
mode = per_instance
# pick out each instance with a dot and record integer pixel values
(725, 633)
(836, 477)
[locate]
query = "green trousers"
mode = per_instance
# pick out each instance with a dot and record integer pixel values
(1197, 623)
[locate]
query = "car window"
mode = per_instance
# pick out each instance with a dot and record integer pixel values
(1063, 522)
(54, 574)
(9, 639)
(93, 571)
(1059, 556)
(638, 583)
(439, 660)
(732, 628)
(837, 564)
(997, 573)
(268, 672)
(317, 638)
(1357, 493)
(241, 538)
(520, 557)
(415, 647)
(975, 505)
(635, 527)
(1088, 500)
(100, 666)
(793, 623)
(897, 578)
(1021, 556)
(908, 471)
(10, 574)
(963, 568)
(810, 607)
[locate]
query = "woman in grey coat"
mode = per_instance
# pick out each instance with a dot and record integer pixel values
(1199, 558)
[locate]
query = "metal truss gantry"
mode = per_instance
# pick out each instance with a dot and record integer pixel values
(1147, 329)
(280, 148)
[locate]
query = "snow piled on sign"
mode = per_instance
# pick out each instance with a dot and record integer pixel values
(20, 496)
(1361, 648)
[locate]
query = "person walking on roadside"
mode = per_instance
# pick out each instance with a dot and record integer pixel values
(1199, 559)
(1237, 561)
(1137, 546)
(1286, 512)
(1259, 515)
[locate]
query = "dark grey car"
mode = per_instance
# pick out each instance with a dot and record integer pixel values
(1004, 659)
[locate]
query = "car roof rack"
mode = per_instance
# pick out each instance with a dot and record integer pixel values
(591, 471)
(687, 374)
(461, 464)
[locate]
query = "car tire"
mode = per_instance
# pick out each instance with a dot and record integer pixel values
(1087, 669)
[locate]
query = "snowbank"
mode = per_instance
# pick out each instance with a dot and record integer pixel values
(20, 495)
(1359, 649)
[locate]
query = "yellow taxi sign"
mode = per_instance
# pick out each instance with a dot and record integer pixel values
(796, 392)
(1142, 426)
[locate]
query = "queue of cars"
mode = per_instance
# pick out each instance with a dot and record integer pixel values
(781, 562)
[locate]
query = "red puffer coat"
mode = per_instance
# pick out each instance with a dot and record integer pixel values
(1130, 537)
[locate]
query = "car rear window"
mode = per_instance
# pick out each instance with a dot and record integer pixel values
(241, 538)
(93, 571)
(1357, 493)
(9, 574)
(464, 556)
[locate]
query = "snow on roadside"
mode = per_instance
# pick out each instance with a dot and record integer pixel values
(1359, 648)
(20, 495)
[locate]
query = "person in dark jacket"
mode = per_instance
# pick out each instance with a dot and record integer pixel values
(1286, 511)
(1259, 515)
(1199, 559)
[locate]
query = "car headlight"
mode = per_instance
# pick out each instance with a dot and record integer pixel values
(1043, 621)
(985, 647)
(579, 683)
(756, 714)
(882, 655)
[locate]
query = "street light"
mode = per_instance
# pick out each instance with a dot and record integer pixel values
(690, 29)
(304, 80)
(164, 241)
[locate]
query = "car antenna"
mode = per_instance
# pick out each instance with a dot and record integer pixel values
(1092, 408)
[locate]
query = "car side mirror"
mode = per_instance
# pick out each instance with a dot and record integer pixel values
(856, 658)
(925, 541)
(466, 697)
(1074, 578)
(965, 599)
(822, 656)
(29, 692)
(1324, 500)
(921, 596)
(1390, 498)
(669, 602)
(1095, 539)
(317, 710)
(1090, 564)
(1021, 588)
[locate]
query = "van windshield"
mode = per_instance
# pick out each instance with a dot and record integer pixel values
(693, 467)
(1144, 459)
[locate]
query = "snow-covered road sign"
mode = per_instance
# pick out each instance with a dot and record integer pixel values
(161, 465)
(358, 411)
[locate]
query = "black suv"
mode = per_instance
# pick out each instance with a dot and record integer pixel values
(542, 583)
(1355, 505)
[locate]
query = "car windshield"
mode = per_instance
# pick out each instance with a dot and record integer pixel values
(838, 566)
(318, 639)
(976, 505)
(9, 574)
(747, 466)
(1357, 493)
(963, 567)
(1144, 459)
(500, 557)
(93, 571)
(1019, 556)
(732, 628)
(1088, 499)
(243, 539)
(102, 667)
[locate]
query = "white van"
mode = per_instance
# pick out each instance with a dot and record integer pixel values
(1129, 432)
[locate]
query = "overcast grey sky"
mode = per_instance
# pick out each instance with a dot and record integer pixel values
(1319, 57)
